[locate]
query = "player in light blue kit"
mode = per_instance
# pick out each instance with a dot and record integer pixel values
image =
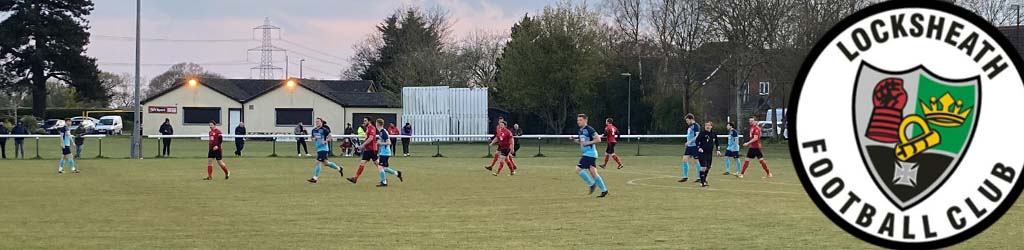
(691, 153)
(588, 139)
(320, 135)
(65, 144)
(383, 165)
(733, 150)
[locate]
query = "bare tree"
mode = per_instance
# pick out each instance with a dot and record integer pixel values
(477, 55)
(997, 12)
(627, 18)
(120, 89)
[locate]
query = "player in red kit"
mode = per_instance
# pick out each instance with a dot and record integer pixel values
(611, 133)
(754, 150)
(503, 137)
(369, 149)
(216, 153)
(497, 153)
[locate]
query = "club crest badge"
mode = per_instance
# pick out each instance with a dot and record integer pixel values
(899, 121)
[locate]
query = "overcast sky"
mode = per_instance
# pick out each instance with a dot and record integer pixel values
(321, 31)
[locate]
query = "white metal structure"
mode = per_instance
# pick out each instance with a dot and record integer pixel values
(445, 111)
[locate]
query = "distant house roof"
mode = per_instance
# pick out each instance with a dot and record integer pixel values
(1016, 36)
(345, 93)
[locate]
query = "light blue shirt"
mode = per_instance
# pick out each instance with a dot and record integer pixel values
(734, 141)
(65, 135)
(383, 137)
(691, 133)
(320, 138)
(587, 134)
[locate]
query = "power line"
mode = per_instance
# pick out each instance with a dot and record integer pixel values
(306, 67)
(313, 50)
(317, 58)
(128, 38)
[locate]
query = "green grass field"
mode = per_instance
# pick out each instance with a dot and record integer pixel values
(445, 203)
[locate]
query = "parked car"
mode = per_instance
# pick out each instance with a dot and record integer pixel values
(88, 122)
(110, 125)
(48, 126)
(768, 131)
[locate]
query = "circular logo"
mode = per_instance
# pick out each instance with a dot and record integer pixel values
(903, 122)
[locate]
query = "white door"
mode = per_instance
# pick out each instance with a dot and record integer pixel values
(234, 117)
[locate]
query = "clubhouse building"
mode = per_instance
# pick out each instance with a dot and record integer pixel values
(266, 106)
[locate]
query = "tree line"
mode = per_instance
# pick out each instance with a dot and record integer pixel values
(652, 60)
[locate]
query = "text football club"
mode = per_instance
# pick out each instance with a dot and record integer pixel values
(897, 124)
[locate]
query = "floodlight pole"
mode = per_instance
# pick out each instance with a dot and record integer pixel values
(136, 132)
(629, 103)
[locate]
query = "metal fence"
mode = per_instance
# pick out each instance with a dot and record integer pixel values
(37, 137)
(436, 140)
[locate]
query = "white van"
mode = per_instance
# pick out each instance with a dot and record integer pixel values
(110, 125)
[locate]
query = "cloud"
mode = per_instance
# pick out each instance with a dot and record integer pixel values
(326, 30)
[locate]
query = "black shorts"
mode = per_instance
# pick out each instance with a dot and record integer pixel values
(66, 150)
(215, 154)
(587, 162)
(754, 153)
(733, 154)
(322, 155)
(610, 149)
(369, 155)
(383, 162)
(691, 151)
(504, 152)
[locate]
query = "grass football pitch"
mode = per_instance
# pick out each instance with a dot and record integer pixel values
(444, 203)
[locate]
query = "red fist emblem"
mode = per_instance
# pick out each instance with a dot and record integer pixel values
(889, 98)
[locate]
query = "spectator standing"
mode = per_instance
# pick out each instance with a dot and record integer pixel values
(166, 129)
(300, 142)
(3, 140)
(393, 130)
(517, 132)
(80, 133)
(406, 131)
(239, 141)
(19, 143)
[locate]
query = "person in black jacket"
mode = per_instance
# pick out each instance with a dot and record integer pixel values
(19, 143)
(166, 129)
(239, 141)
(3, 140)
(80, 133)
(707, 145)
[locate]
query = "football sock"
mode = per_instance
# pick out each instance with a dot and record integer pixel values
(209, 170)
(606, 159)
(359, 171)
(316, 171)
(224, 167)
(383, 178)
(586, 177)
(698, 169)
(728, 164)
(745, 165)
(500, 166)
(703, 174)
(616, 158)
(495, 159)
(512, 163)
(390, 171)
(332, 165)
(600, 183)
(61, 166)
(764, 165)
(72, 163)
(686, 169)
(737, 162)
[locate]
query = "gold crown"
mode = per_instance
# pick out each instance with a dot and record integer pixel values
(945, 111)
